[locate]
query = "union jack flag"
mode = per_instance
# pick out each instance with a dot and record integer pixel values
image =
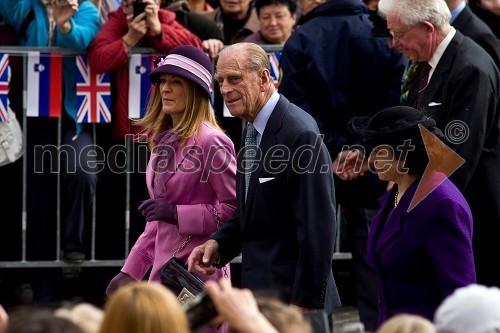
(93, 94)
(4, 85)
(274, 61)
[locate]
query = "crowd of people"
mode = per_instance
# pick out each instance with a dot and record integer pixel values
(387, 109)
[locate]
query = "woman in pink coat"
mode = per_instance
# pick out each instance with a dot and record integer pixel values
(191, 176)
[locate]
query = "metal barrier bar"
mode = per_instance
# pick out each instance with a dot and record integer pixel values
(24, 263)
(24, 212)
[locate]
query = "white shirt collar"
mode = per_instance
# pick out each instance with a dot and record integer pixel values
(440, 50)
(260, 121)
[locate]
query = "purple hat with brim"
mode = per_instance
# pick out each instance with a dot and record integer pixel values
(188, 62)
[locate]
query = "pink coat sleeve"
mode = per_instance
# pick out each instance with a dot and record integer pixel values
(142, 255)
(198, 219)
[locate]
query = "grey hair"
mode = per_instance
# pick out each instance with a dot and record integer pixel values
(255, 56)
(412, 12)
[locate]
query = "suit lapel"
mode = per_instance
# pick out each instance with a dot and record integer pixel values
(444, 66)
(150, 173)
(462, 19)
(180, 155)
(395, 218)
(268, 140)
(438, 76)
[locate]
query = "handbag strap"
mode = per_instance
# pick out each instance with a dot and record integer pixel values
(183, 245)
(188, 239)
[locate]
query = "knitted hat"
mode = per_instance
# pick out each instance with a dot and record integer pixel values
(188, 62)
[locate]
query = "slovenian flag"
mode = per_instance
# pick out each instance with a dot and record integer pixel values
(140, 66)
(93, 94)
(4, 85)
(44, 84)
(274, 61)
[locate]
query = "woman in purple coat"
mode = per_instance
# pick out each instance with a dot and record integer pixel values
(191, 176)
(420, 242)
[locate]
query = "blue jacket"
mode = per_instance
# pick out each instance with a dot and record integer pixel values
(85, 25)
(334, 69)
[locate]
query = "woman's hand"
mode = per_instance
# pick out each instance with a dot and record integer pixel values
(159, 210)
(152, 17)
(350, 164)
(213, 47)
(238, 307)
(62, 14)
(137, 28)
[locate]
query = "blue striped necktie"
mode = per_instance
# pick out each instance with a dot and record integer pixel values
(250, 153)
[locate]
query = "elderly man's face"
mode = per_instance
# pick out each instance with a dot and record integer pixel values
(235, 8)
(415, 42)
(276, 23)
(241, 88)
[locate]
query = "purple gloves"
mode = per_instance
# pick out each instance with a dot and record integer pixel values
(119, 280)
(159, 210)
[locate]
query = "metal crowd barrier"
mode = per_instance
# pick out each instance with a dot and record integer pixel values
(23, 262)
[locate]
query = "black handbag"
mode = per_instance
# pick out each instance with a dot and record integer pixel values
(177, 278)
(181, 282)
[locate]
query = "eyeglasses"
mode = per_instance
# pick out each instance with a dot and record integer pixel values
(400, 35)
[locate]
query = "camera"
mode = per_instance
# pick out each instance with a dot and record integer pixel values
(139, 7)
(200, 310)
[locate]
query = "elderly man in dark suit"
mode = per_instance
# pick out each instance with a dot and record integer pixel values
(459, 85)
(285, 224)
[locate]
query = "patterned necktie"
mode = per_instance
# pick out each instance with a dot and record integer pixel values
(250, 153)
(424, 78)
(409, 75)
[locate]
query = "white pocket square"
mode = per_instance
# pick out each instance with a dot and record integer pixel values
(265, 180)
(434, 104)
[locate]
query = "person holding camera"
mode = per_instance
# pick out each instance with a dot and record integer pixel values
(191, 176)
(70, 25)
(146, 26)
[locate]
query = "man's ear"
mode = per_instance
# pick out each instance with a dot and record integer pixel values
(428, 26)
(265, 77)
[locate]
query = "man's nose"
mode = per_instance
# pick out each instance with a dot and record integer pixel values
(224, 88)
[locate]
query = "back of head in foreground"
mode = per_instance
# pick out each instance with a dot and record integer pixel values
(470, 309)
(407, 323)
(85, 315)
(40, 321)
(284, 318)
(144, 308)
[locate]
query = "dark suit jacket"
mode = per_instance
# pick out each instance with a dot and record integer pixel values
(286, 229)
(465, 90)
(473, 27)
(423, 255)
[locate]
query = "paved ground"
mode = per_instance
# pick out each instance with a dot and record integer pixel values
(346, 320)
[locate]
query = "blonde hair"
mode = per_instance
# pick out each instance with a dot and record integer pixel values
(198, 110)
(406, 323)
(283, 317)
(141, 307)
(85, 315)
